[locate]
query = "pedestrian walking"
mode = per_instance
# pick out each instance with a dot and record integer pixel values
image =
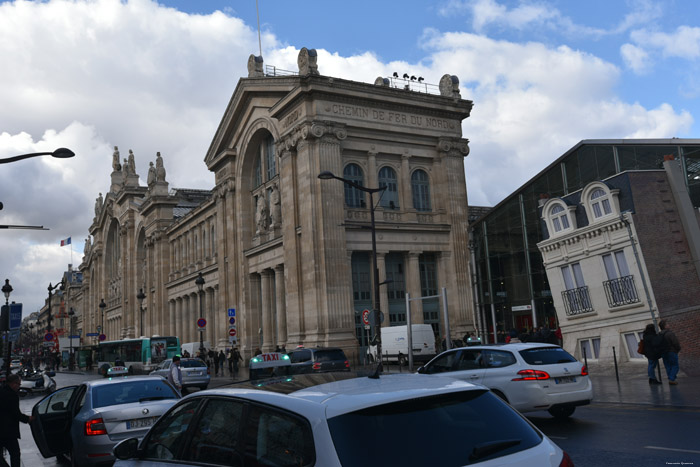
(175, 374)
(222, 359)
(670, 349)
(216, 363)
(9, 421)
(651, 352)
(235, 357)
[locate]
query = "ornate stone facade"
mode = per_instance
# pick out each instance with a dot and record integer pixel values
(289, 251)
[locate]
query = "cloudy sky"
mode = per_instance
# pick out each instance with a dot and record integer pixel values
(156, 76)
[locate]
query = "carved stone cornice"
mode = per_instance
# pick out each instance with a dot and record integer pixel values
(585, 233)
(227, 186)
(454, 147)
(325, 131)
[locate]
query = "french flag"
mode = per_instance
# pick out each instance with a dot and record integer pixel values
(65, 242)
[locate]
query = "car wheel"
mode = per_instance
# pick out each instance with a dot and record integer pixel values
(562, 411)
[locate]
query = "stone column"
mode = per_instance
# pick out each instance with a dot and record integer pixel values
(281, 305)
(372, 175)
(268, 333)
(252, 314)
(413, 286)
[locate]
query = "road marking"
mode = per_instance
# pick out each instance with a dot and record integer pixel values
(671, 449)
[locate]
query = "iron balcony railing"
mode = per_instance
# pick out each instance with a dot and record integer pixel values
(577, 301)
(621, 291)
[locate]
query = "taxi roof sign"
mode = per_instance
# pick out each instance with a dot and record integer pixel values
(270, 360)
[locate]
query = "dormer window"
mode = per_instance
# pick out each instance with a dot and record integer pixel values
(560, 219)
(599, 201)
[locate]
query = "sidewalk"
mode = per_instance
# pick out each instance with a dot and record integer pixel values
(633, 387)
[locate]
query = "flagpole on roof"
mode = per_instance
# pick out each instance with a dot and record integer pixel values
(258, 12)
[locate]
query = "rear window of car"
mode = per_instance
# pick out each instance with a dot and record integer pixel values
(330, 355)
(469, 427)
(128, 392)
(299, 356)
(196, 363)
(546, 356)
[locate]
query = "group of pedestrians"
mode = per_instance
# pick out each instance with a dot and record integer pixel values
(663, 345)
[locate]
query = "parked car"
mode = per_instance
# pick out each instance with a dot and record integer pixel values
(15, 364)
(396, 419)
(195, 373)
(318, 359)
(83, 423)
(529, 376)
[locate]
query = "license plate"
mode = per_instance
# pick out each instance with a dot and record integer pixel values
(140, 423)
(565, 379)
(196, 373)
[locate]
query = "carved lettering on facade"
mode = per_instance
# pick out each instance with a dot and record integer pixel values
(387, 116)
(291, 118)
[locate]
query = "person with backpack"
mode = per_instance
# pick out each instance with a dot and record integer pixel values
(648, 349)
(669, 348)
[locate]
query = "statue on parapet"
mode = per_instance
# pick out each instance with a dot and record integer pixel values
(307, 62)
(116, 166)
(255, 66)
(160, 170)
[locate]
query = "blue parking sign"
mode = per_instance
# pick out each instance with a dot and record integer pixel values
(231, 312)
(15, 316)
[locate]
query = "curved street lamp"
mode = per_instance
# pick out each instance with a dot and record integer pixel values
(326, 175)
(71, 358)
(60, 153)
(102, 306)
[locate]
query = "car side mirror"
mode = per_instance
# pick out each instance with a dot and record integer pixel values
(126, 449)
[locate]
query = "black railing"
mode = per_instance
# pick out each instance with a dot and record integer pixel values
(621, 291)
(577, 301)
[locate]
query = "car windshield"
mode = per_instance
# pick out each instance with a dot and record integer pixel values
(464, 427)
(330, 355)
(127, 392)
(196, 363)
(546, 356)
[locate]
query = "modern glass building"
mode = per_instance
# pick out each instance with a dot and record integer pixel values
(511, 289)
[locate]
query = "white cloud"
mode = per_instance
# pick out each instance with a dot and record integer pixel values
(635, 58)
(684, 42)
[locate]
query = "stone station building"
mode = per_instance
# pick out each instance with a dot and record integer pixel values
(289, 251)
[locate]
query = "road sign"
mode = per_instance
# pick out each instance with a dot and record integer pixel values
(48, 337)
(73, 337)
(232, 332)
(232, 320)
(202, 323)
(92, 334)
(102, 337)
(365, 317)
(231, 312)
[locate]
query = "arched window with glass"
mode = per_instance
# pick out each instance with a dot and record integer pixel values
(600, 203)
(560, 218)
(420, 186)
(354, 198)
(390, 196)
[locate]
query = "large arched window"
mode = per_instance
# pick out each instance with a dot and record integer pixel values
(354, 198)
(390, 196)
(265, 163)
(420, 186)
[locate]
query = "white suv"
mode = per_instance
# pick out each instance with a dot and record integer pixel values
(529, 377)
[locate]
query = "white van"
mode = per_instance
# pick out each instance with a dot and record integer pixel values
(193, 348)
(395, 342)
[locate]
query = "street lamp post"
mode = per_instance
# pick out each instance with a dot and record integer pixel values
(71, 358)
(7, 290)
(326, 175)
(140, 297)
(31, 341)
(200, 287)
(49, 317)
(60, 153)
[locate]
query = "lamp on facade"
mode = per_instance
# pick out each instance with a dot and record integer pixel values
(200, 287)
(326, 175)
(51, 289)
(60, 153)
(71, 358)
(7, 290)
(141, 297)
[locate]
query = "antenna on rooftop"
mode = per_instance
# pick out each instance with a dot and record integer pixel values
(258, 12)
